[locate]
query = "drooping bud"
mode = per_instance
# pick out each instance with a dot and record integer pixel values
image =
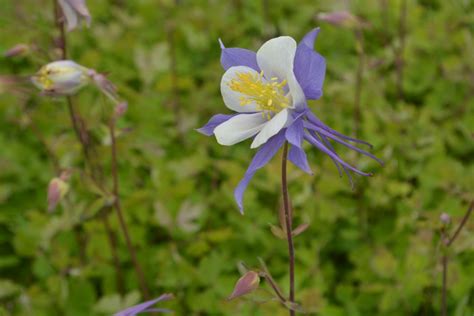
(445, 218)
(57, 189)
(75, 11)
(104, 85)
(249, 282)
(17, 50)
(61, 78)
(120, 109)
(341, 18)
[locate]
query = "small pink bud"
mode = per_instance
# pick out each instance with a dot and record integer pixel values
(57, 189)
(340, 18)
(17, 50)
(120, 109)
(104, 84)
(246, 284)
(445, 218)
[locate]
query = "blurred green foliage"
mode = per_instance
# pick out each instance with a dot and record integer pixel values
(371, 251)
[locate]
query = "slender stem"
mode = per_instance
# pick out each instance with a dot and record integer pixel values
(461, 225)
(288, 224)
(118, 209)
(448, 241)
(59, 20)
(79, 129)
(113, 246)
(274, 286)
(82, 136)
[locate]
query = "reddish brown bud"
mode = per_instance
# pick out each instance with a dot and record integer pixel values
(246, 284)
(104, 84)
(342, 19)
(120, 109)
(57, 189)
(17, 50)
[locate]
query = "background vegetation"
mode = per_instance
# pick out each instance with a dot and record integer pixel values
(374, 250)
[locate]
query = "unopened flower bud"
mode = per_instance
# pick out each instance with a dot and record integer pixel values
(17, 50)
(75, 11)
(340, 18)
(445, 218)
(57, 189)
(246, 284)
(61, 78)
(104, 84)
(120, 109)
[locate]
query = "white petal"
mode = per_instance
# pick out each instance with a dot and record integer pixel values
(276, 58)
(231, 97)
(296, 92)
(239, 128)
(271, 128)
(70, 14)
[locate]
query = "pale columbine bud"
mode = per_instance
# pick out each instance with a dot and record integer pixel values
(120, 109)
(247, 283)
(61, 78)
(57, 189)
(75, 11)
(445, 218)
(340, 18)
(17, 50)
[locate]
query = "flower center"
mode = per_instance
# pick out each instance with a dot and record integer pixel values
(268, 95)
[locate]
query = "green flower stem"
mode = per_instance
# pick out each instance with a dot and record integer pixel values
(82, 136)
(288, 224)
(448, 241)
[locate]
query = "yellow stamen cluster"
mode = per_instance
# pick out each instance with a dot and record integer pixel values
(268, 95)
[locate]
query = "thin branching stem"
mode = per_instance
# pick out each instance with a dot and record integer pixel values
(288, 224)
(275, 287)
(448, 241)
(81, 134)
(461, 225)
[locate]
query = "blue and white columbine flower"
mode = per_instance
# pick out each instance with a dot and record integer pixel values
(269, 90)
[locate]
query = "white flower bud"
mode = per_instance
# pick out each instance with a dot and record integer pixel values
(61, 78)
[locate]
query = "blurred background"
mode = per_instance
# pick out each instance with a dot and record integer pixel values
(400, 74)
